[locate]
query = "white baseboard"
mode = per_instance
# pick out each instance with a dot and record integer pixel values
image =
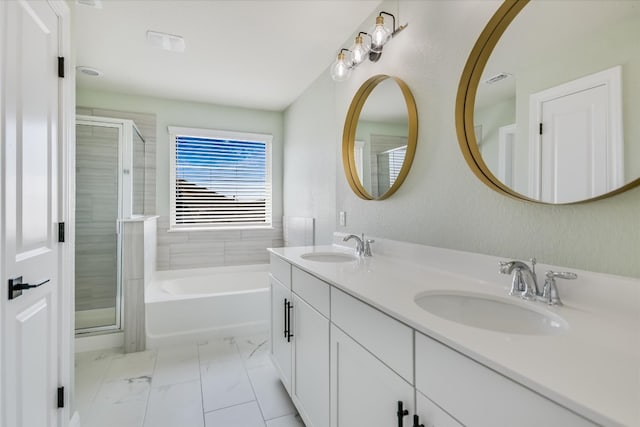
(99, 342)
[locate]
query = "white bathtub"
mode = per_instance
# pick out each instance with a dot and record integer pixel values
(196, 304)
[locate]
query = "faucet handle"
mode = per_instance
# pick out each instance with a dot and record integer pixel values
(504, 266)
(550, 291)
(561, 275)
(367, 247)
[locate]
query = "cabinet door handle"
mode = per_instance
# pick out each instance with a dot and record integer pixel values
(289, 334)
(286, 304)
(401, 413)
(416, 421)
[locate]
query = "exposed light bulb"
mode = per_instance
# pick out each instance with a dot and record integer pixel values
(359, 51)
(379, 36)
(340, 70)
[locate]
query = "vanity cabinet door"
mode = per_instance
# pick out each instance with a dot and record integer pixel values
(281, 322)
(431, 415)
(364, 391)
(311, 364)
(479, 396)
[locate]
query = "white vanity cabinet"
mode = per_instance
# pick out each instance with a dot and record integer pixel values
(348, 364)
(300, 341)
(371, 366)
(280, 299)
(480, 397)
(430, 415)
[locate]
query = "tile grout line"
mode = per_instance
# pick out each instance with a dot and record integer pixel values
(153, 373)
(246, 371)
(204, 419)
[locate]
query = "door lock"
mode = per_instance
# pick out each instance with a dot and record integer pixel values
(16, 287)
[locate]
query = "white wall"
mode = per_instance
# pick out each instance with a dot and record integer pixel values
(311, 158)
(442, 203)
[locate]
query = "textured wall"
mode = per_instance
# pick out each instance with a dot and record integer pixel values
(442, 203)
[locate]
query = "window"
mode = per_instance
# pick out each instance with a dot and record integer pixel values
(220, 179)
(396, 160)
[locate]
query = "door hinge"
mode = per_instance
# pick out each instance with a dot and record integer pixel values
(61, 232)
(61, 66)
(60, 397)
(540, 129)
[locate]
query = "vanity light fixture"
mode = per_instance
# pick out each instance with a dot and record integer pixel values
(341, 68)
(360, 49)
(369, 46)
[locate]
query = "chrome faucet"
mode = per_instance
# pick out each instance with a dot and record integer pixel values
(363, 246)
(525, 283)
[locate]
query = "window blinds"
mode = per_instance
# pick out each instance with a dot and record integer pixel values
(222, 182)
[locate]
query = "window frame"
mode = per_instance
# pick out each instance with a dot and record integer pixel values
(176, 131)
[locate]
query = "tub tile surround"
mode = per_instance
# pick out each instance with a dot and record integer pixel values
(215, 248)
(223, 382)
(592, 370)
(138, 266)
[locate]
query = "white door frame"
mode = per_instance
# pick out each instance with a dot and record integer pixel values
(66, 159)
(610, 78)
(506, 138)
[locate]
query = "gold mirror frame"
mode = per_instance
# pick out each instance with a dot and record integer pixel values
(466, 98)
(349, 136)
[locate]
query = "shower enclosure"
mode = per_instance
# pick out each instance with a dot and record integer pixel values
(110, 165)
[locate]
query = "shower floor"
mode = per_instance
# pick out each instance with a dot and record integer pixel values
(96, 317)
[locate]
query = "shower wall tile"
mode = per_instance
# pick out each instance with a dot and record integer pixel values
(213, 248)
(146, 124)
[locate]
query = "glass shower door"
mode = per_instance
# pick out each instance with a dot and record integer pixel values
(97, 211)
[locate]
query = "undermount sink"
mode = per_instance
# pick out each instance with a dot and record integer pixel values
(328, 257)
(492, 313)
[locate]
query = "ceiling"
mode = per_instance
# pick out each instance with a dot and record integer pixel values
(247, 53)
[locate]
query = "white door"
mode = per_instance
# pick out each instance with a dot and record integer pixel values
(29, 174)
(311, 364)
(364, 391)
(281, 324)
(574, 146)
(579, 152)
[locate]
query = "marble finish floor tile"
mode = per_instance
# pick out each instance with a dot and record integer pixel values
(175, 405)
(288, 421)
(224, 382)
(245, 415)
(176, 364)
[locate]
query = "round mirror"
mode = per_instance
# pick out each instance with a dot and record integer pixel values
(379, 138)
(546, 104)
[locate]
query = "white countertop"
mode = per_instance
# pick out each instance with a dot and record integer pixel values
(593, 369)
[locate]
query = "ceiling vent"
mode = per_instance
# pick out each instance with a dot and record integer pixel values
(96, 4)
(497, 78)
(165, 41)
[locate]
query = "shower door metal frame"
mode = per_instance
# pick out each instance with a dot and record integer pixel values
(125, 201)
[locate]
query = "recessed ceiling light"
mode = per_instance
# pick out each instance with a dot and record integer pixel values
(89, 71)
(497, 78)
(97, 4)
(165, 41)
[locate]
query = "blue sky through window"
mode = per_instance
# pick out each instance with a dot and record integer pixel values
(236, 169)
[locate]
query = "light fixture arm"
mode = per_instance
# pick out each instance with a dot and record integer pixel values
(396, 30)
